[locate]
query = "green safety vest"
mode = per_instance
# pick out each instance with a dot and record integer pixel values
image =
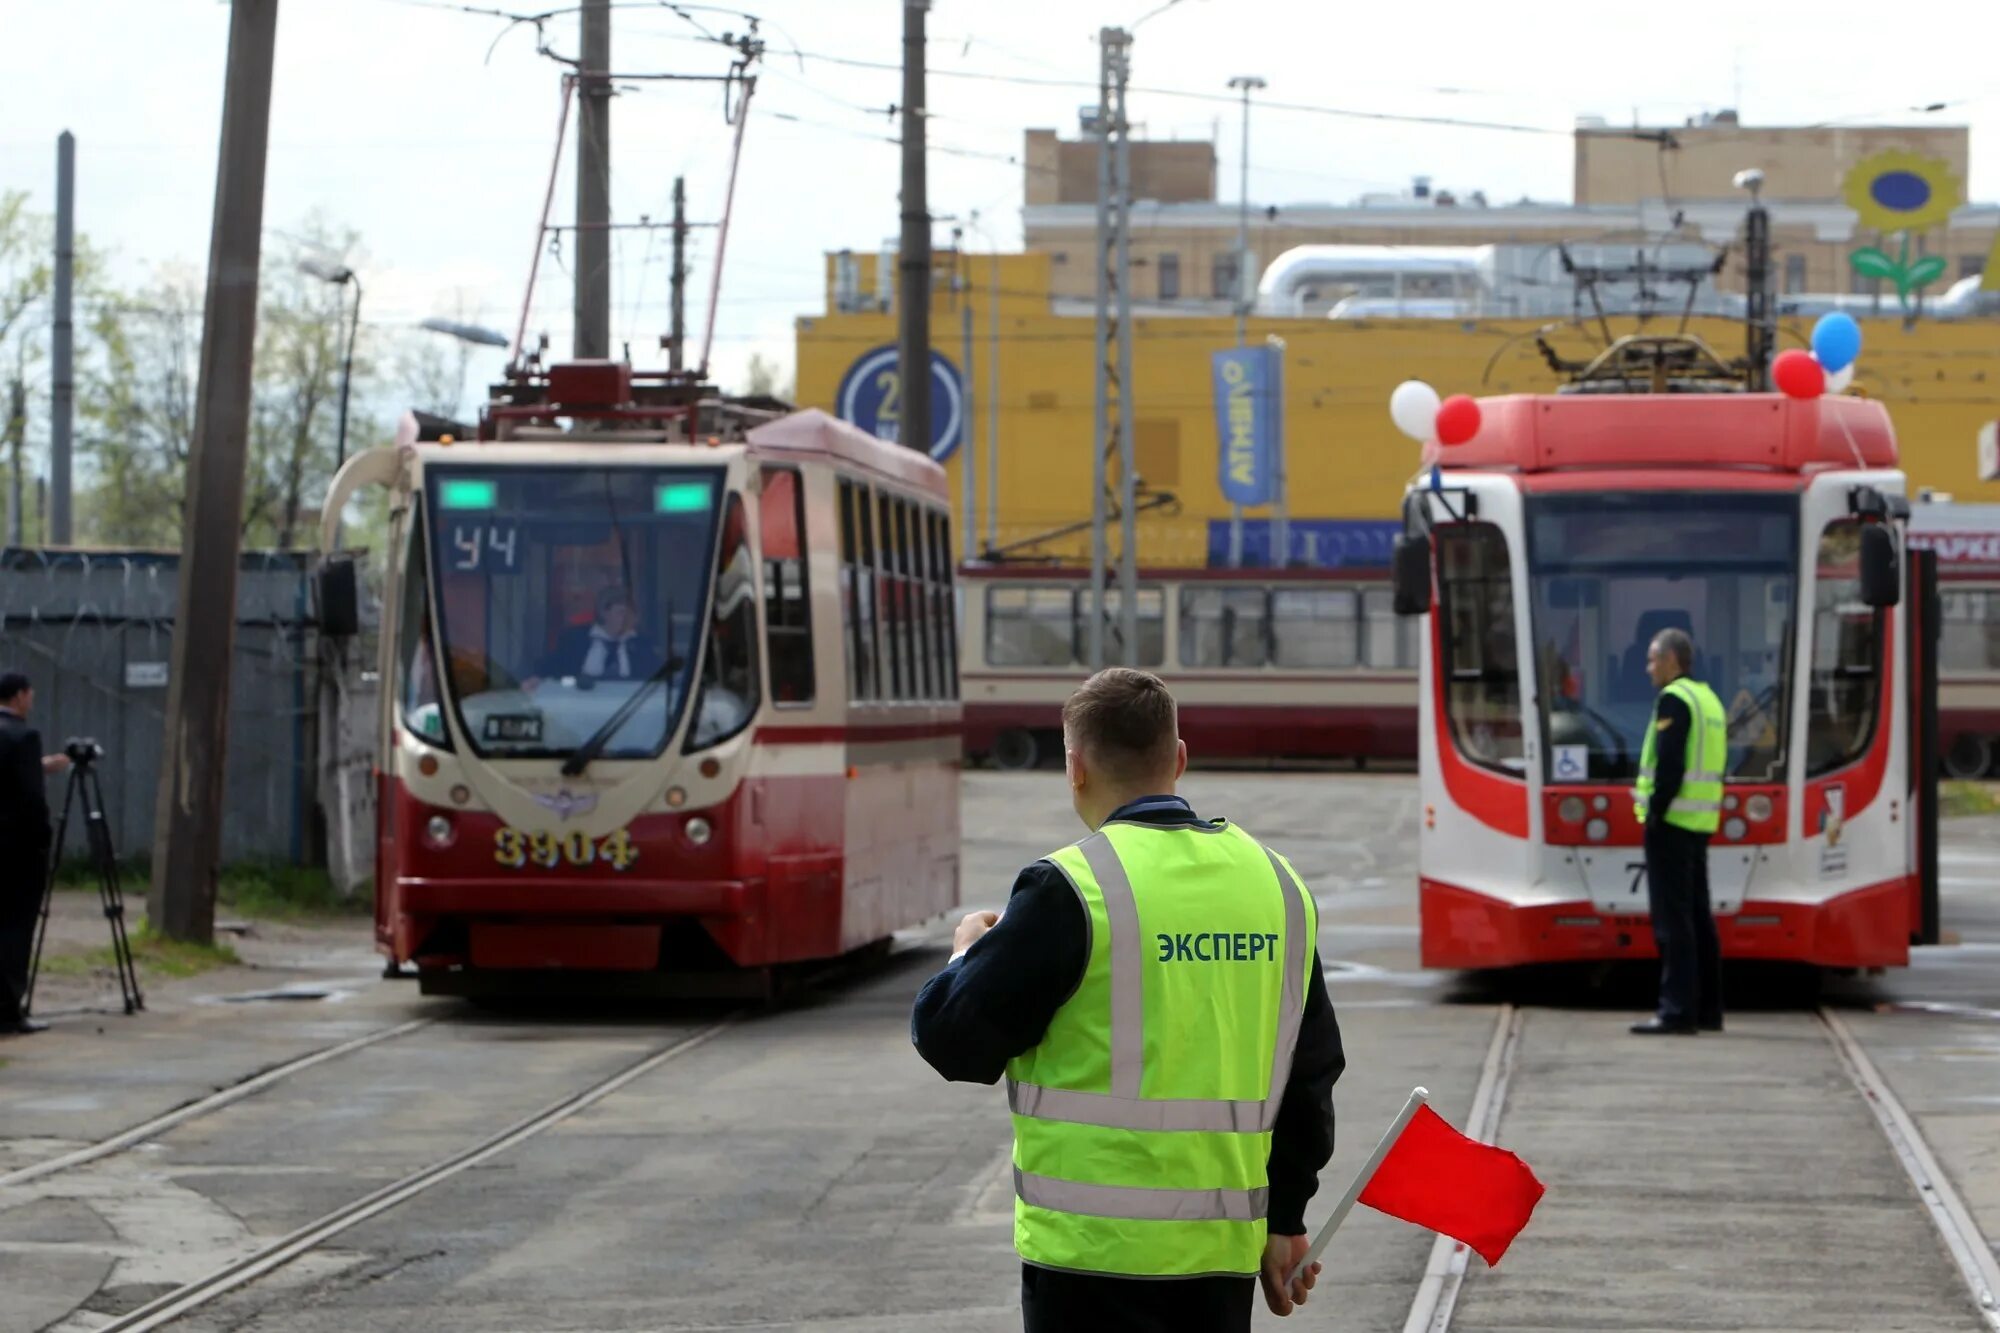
(1142, 1120)
(1697, 805)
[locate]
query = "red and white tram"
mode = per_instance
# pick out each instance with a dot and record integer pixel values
(698, 714)
(1264, 663)
(1548, 551)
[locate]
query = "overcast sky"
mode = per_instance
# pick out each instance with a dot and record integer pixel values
(409, 123)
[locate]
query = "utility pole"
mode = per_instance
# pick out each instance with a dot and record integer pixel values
(187, 838)
(593, 185)
(993, 401)
(1761, 331)
(913, 339)
(62, 413)
(677, 283)
(1247, 83)
(1113, 416)
(968, 463)
(17, 430)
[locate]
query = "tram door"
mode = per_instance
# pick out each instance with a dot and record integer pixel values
(1921, 597)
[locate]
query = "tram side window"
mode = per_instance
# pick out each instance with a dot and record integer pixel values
(870, 637)
(1150, 621)
(423, 711)
(1481, 671)
(1389, 641)
(943, 627)
(1315, 627)
(1224, 627)
(787, 603)
(1846, 655)
(1030, 626)
(894, 609)
(917, 576)
(1970, 631)
(850, 621)
(728, 676)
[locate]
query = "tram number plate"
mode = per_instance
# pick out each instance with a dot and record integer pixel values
(516, 850)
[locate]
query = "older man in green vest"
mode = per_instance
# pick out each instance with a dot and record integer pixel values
(1679, 800)
(1153, 995)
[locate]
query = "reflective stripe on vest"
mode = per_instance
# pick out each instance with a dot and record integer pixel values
(1086, 1136)
(1697, 806)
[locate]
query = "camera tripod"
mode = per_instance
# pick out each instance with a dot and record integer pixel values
(84, 790)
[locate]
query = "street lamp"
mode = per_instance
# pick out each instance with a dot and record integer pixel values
(340, 275)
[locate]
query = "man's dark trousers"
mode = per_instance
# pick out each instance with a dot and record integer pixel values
(1056, 1302)
(21, 886)
(1683, 925)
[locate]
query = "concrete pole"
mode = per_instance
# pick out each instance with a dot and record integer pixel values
(1128, 540)
(968, 468)
(913, 342)
(187, 845)
(993, 404)
(62, 357)
(593, 186)
(677, 282)
(1247, 83)
(17, 430)
(1109, 41)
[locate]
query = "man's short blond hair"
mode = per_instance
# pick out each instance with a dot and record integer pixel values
(1124, 722)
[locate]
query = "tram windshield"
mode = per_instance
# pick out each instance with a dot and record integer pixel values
(570, 601)
(1608, 572)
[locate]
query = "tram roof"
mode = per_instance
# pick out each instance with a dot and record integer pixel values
(1552, 432)
(812, 431)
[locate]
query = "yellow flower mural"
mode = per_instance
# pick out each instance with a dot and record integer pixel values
(1899, 191)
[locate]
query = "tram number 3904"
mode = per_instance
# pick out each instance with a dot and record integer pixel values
(515, 849)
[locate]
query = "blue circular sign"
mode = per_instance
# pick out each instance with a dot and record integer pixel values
(871, 396)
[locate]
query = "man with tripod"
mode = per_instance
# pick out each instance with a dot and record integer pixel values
(24, 845)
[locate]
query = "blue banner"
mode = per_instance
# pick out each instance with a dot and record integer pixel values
(1316, 543)
(1249, 422)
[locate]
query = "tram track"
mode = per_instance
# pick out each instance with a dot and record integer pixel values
(127, 1139)
(1957, 1230)
(193, 1295)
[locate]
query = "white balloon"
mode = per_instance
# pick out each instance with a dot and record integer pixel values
(1838, 380)
(1414, 408)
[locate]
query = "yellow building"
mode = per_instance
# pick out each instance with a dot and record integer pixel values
(1941, 381)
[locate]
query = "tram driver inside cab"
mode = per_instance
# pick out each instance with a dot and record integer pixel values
(610, 647)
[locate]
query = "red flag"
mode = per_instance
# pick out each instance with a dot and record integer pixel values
(1436, 1177)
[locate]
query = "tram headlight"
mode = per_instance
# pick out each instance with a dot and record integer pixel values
(1734, 829)
(697, 830)
(1571, 810)
(1597, 830)
(439, 833)
(1758, 807)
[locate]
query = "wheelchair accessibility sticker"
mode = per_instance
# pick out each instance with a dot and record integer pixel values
(1572, 763)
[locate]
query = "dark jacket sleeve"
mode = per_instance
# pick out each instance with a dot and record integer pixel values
(24, 790)
(1671, 721)
(996, 1002)
(1302, 1139)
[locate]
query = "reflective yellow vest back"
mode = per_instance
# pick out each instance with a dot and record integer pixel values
(1142, 1120)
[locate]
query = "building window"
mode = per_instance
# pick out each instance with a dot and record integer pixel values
(1971, 266)
(1170, 277)
(1795, 273)
(1224, 285)
(787, 607)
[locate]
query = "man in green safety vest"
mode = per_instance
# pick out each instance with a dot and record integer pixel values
(1153, 995)
(1678, 799)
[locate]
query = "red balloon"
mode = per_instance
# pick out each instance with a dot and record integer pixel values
(1798, 375)
(1457, 419)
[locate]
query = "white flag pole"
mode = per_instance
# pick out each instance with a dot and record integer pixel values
(1418, 1096)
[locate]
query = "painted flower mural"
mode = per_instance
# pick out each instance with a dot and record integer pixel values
(1901, 192)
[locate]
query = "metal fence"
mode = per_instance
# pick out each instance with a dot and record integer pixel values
(94, 632)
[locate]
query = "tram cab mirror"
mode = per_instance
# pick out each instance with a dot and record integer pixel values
(1881, 572)
(339, 595)
(1412, 575)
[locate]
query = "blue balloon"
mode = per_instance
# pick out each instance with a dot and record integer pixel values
(1836, 341)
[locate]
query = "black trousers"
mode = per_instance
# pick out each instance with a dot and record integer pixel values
(1683, 925)
(20, 913)
(1055, 1302)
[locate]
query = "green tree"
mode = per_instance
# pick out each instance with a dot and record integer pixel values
(763, 378)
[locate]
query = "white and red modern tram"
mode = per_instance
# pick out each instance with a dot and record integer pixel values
(767, 774)
(1549, 550)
